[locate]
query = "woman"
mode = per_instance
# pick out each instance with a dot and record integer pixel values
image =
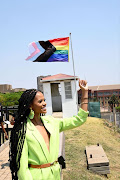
(34, 143)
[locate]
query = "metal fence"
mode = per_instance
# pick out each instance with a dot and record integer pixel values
(110, 117)
(6, 112)
(2, 136)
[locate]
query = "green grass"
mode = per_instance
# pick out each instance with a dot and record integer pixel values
(94, 131)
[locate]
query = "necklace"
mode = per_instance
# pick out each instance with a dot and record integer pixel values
(35, 123)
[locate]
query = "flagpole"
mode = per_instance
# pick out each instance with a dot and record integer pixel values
(73, 69)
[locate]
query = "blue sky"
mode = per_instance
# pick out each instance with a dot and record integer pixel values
(95, 28)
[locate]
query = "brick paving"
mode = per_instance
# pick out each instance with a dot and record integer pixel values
(5, 173)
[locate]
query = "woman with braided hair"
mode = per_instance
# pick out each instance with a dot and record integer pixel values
(34, 142)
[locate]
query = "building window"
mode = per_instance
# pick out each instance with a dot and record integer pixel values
(115, 92)
(107, 93)
(68, 92)
(100, 93)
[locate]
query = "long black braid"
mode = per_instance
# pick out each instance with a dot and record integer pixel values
(19, 131)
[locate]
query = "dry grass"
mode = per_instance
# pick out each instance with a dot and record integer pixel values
(94, 131)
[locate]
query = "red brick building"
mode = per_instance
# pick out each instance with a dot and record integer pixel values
(102, 93)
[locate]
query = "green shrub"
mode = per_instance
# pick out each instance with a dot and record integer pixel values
(10, 99)
(118, 108)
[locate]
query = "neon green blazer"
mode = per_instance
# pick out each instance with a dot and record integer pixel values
(35, 150)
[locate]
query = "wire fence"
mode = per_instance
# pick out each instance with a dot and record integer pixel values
(6, 114)
(109, 116)
(106, 113)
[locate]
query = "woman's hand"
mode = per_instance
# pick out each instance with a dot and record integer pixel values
(83, 85)
(84, 98)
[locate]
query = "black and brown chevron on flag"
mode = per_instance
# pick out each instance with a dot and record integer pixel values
(55, 50)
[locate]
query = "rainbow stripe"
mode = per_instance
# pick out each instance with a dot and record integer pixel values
(54, 50)
(62, 50)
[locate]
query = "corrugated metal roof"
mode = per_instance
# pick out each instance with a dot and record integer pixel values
(58, 77)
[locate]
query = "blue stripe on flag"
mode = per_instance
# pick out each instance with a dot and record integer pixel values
(58, 57)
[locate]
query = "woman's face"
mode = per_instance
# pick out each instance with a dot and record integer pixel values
(39, 105)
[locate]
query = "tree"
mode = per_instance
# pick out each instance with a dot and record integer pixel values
(113, 101)
(95, 99)
(10, 99)
(1, 98)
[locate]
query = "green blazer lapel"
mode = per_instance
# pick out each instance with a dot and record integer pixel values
(39, 138)
(47, 124)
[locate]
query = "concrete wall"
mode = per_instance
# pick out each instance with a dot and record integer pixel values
(5, 88)
(47, 95)
(69, 106)
(18, 89)
(39, 83)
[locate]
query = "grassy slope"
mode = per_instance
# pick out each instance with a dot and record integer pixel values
(92, 132)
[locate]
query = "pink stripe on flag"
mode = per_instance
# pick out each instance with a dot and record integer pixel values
(35, 52)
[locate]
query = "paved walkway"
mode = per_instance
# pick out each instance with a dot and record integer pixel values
(5, 173)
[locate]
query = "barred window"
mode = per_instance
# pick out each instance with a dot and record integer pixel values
(68, 92)
(115, 92)
(100, 93)
(107, 93)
